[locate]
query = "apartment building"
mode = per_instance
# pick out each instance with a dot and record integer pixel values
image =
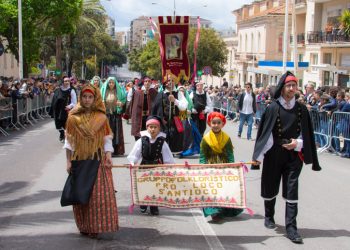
(8, 64)
(110, 29)
(322, 43)
(123, 38)
(140, 30)
(260, 28)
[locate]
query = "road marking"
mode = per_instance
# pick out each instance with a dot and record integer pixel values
(208, 233)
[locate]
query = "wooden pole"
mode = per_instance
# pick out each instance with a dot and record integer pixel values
(234, 164)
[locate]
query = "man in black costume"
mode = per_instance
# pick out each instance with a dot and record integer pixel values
(64, 99)
(284, 141)
(167, 105)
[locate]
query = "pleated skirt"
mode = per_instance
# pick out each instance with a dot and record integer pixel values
(100, 215)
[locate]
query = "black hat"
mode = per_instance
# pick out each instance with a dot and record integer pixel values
(282, 82)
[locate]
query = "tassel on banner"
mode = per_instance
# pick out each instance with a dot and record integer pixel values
(250, 212)
(245, 168)
(131, 208)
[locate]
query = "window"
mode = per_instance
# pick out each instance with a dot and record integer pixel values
(259, 38)
(280, 43)
(327, 58)
(326, 78)
(300, 57)
(246, 43)
(252, 43)
(313, 58)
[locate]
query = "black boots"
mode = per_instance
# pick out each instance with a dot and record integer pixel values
(291, 223)
(269, 213)
(154, 210)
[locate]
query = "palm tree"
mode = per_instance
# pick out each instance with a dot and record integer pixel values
(345, 22)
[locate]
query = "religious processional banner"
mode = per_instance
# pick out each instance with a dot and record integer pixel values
(173, 46)
(180, 186)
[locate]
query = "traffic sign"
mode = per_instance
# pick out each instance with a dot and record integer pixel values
(57, 72)
(207, 70)
(40, 66)
(2, 49)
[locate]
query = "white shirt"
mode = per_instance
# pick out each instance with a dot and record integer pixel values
(73, 97)
(181, 101)
(135, 155)
(208, 105)
(108, 147)
(247, 107)
(269, 142)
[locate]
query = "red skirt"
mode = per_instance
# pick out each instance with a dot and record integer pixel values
(100, 215)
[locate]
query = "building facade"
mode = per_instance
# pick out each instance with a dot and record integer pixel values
(260, 28)
(322, 42)
(8, 64)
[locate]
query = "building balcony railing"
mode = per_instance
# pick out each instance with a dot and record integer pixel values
(300, 2)
(300, 39)
(336, 36)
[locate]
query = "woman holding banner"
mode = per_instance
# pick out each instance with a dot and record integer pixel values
(89, 139)
(216, 147)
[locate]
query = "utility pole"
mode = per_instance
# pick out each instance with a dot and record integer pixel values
(20, 40)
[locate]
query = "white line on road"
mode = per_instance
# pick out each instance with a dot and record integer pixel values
(208, 233)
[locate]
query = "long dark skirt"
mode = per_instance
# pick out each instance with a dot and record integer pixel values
(116, 124)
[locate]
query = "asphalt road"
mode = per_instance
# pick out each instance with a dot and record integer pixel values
(32, 165)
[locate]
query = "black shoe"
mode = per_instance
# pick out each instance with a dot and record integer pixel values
(255, 167)
(295, 237)
(154, 210)
(269, 223)
(239, 136)
(143, 209)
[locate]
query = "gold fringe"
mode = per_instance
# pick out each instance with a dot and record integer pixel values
(86, 132)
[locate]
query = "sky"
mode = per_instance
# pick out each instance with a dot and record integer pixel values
(217, 11)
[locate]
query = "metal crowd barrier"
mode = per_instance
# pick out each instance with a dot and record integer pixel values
(321, 124)
(339, 130)
(24, 111)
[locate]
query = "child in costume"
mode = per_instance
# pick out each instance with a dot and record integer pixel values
(216, 147)
(152, 149)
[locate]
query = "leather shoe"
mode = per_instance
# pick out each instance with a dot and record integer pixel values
(295, 237)
(143, 209)
(154, 210)
(269, 223)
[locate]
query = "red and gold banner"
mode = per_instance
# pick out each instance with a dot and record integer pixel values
(173, 47)
(186, 187)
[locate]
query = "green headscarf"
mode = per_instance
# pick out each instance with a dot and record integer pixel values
(99, 80)
(121, 95)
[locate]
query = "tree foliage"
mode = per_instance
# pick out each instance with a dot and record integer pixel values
(345, 21)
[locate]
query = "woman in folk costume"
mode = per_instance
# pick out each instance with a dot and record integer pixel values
(216, 147)
(96, 81)
(89, 137)
(114, 98)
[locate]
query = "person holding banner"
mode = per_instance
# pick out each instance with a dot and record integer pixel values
(89, 138)
(216, 147)
(285, 140)
(151, 149)
(167, 106)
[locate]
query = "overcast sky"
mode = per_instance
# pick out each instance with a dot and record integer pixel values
(217, 11)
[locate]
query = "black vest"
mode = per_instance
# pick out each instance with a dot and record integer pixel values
(287, 123)
(152, 152)
(199, 101)
(166, 105)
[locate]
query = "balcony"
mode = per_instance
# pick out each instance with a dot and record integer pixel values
(300, 2)
(300, 39)
(336, 36)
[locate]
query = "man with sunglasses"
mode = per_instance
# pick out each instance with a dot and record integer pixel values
(64, 99)
(246, 109)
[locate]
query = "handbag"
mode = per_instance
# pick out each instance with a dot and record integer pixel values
(178, 124)
(80, 182)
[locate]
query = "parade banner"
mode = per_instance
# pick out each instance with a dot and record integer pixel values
(187, 187)
(173, 38)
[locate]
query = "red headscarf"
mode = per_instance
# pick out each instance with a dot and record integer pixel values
(213, 115)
